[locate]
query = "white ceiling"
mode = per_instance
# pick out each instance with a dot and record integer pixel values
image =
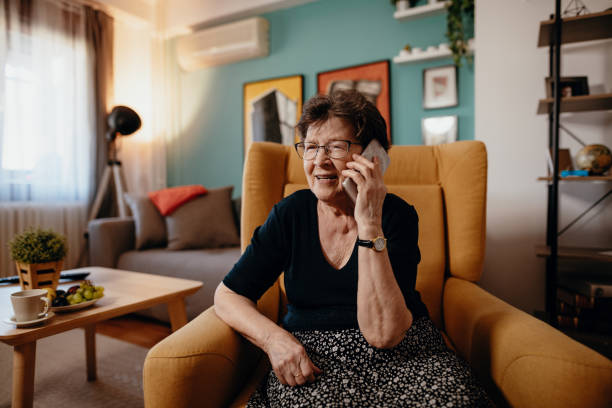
(174, 17)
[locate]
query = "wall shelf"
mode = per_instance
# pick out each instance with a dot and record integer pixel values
(594, 26)
(421, 11)
(553, 34)
(582, 103)
(568, 252)
(439, 52)
(578, 178)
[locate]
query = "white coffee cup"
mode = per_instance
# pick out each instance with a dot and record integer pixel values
(28, 304)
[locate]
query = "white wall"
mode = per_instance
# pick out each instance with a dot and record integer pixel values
(509, 80)
(139, 84)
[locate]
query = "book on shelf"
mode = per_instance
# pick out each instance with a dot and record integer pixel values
(577, 311)
(594, 324)
(602, 307)
(588, 286)
(567, 309)
(575, 173)
(575, 299)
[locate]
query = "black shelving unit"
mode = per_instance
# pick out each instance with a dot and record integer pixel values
(553, 33)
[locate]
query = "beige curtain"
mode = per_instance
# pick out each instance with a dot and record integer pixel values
(99, 34)
(56, 70)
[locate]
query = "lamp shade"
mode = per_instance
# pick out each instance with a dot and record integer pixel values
(122, 120)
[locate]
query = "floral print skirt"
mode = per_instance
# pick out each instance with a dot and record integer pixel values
(419, 372)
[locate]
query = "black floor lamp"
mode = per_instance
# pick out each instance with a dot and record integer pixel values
(121, 121)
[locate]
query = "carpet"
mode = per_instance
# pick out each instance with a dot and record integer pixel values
(61, 374)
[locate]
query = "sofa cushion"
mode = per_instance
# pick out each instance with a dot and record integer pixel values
(206, 265)
(149, 223)
(169, 199)
(204, 222)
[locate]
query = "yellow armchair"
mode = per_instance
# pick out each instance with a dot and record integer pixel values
(522, 361)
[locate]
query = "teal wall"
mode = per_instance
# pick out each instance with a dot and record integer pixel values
(315, 37)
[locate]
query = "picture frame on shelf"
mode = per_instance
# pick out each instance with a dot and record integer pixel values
(440, 87)
(271, 109)
(371, 79)
(570, 86)
(439, 129)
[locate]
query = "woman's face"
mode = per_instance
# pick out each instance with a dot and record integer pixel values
(324, 174)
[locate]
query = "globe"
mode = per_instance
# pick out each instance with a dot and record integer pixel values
(595, 158)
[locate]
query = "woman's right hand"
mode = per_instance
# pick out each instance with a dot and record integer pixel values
(289, 360)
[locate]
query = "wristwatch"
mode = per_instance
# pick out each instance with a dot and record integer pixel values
(379, 243)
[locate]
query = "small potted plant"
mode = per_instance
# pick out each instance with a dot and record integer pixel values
(39, 257)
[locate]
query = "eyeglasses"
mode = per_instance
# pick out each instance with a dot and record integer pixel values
(338, 149)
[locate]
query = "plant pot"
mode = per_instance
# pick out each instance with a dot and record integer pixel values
(39, 275)
(402, 5)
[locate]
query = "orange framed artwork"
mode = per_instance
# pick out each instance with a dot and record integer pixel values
(371, 79)
(271, 109)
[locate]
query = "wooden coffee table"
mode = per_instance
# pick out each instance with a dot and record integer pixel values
(124, 292)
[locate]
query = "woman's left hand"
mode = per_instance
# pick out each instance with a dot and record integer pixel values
(371, 192)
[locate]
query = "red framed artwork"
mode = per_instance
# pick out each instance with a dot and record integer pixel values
(371, 79)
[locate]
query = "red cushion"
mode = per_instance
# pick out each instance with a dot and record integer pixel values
(169, 199)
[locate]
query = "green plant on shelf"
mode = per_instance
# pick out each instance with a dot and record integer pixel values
(457, 13)
(38, 246)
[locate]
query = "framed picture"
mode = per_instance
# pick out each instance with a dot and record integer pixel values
(439, 129)
(371, 79)
(570, 86)
(271, 109)
(440, 87)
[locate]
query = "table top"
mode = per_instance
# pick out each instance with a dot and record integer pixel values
(124, 292)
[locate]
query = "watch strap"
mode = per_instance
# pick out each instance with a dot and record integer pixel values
(365, 243)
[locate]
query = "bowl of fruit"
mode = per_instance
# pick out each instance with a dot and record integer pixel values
(76, 297)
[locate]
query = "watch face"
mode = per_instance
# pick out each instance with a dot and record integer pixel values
(379, 244)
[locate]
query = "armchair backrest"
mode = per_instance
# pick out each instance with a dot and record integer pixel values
(445, 183)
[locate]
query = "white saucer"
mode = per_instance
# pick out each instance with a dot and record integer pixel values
(29, 323)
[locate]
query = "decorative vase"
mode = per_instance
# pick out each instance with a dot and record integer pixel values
(39, 275)
(595, 158)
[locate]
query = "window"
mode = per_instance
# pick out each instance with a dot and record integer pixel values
(46, 106)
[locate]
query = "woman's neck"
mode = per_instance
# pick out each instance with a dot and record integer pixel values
(340, 208)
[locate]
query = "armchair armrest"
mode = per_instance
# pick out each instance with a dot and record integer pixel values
(531, 363)
(203, 364)
(108, 239)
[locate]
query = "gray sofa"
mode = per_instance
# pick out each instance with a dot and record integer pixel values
(112, 244)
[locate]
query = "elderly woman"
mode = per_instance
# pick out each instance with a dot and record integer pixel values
(356, 332)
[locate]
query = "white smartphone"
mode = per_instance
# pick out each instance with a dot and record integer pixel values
(373, 148)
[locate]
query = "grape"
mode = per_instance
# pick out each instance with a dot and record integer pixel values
(87, 294)
(77, 298)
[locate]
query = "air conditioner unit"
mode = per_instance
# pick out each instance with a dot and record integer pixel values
(224, 44)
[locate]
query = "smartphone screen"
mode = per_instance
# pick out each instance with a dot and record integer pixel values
(373, 148)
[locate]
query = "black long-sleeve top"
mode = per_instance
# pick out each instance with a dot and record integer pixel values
(320, 296)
